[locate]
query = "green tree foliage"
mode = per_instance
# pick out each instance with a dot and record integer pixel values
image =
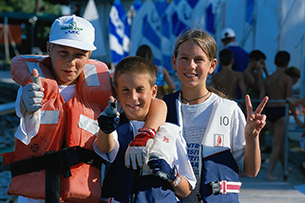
(29, 6)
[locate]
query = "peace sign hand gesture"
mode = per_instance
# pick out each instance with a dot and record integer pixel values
(255, 120)
(255, 123)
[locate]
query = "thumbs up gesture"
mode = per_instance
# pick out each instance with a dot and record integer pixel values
(109, 119)
(32, 94)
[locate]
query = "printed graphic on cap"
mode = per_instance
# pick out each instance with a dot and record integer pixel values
(72, 29)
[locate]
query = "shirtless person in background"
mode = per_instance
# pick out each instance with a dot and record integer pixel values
(228, 81)
(277, 86)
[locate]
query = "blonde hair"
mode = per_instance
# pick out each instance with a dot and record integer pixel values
(51, 46)
(206, 42)
(202, 38)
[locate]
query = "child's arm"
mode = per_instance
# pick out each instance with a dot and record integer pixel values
(183, 189)
(156, 115)
(105, 141)
(255, 123)
(28, 102)
(108, 121)
(162, 169)
(292, 105)
(141, 144)
(266, 71)
(169, 81)
(32, 95)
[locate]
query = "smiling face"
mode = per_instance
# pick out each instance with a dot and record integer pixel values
(135, 94)
(67, 62)
(192, 65)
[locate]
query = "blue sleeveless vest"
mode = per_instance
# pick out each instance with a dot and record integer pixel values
(121, 182)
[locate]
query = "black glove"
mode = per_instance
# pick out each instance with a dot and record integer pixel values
(161, 168)
(109, 119)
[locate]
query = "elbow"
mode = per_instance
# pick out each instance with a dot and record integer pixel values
(107, 150)
(252, 174)
(184, 194)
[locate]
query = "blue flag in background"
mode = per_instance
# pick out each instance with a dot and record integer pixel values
(136, 5)
(250, 11)
(181, 18)
(91, 14)
(193, 3)
(161, 6)
(210, 17)
(146, 29)
(117, 21)
(167, 44)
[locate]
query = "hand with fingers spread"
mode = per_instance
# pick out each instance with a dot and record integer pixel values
(32, 94)
(255, 120)
(255, 123)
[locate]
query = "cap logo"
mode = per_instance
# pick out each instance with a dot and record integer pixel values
(72, 28)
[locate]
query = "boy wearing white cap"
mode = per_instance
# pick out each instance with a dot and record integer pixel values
(59, 102)
(240, 55)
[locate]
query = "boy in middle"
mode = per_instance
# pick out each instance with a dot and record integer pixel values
(168, 172)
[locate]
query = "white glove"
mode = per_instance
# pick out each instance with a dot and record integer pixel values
(32, 95)
(137, 155)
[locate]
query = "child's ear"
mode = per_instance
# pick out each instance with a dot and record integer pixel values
(115, 92)
(154, 91)
(48, 47)
(213, 66)
(174, 62)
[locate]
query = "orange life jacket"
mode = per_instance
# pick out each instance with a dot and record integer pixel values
(62, 125)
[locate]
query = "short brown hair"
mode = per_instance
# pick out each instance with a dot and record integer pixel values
(135, 65)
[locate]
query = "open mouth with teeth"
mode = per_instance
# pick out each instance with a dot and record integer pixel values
(190, 75)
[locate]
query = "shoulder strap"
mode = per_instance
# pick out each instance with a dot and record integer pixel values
(170, 101)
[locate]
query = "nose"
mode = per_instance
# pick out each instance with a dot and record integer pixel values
(192, 64)
(70, 61)
(134, 95)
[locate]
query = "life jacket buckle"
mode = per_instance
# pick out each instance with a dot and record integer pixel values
(68, 157)
(215, 187)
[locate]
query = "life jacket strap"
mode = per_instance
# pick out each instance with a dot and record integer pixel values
(55, 162)
(63, 158)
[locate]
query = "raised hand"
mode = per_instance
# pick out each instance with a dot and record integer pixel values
(109, 119)
(32, 93)
(255, 120)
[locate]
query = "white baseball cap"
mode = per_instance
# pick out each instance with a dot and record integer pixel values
(73, 31)
(227, 33)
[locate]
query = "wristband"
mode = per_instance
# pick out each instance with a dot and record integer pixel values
(176, 182)
(151, 131)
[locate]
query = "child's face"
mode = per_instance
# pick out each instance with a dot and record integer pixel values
(135, 94)
(260, 64)
(192, 65)
(67, 62)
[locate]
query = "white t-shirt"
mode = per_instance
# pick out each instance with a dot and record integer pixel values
(195, 119)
